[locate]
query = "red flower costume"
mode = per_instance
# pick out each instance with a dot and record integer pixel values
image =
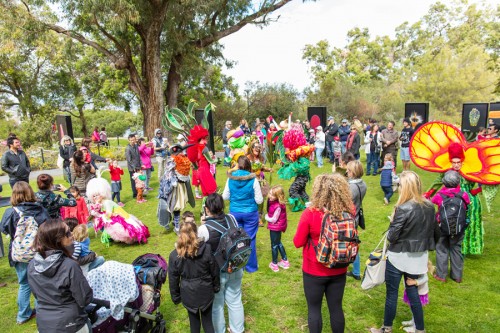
(198, 155)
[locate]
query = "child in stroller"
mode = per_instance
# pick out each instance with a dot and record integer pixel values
(126, 296)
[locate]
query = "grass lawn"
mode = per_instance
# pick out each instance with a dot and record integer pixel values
(274, 302)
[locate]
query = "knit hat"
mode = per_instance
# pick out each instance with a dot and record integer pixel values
(336, 138)
(451, 179)
(388, 165)
(455, 150)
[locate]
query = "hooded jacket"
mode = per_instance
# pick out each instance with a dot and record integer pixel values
(8, 225)
(243, 191)
(62, 292)
(194, 281)
(17, 166)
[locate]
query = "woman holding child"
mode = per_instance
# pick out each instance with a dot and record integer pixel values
(412, 233)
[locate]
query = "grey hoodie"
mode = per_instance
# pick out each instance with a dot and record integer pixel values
(61, 290)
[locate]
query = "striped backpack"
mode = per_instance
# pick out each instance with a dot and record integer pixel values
(338, 242)
(22, 244)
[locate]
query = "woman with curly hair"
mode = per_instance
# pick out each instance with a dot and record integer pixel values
(194, 277)
(331, 194)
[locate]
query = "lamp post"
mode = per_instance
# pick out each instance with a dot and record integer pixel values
(247, 94)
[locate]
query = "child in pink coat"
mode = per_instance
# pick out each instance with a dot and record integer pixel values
(277, 223)
(146, 150)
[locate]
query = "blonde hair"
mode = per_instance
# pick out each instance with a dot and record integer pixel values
(278, 192)
(388, 157)
(22, 192)
(80, 233)
(410, 189)
(332, 192)
(355, 168)
(187, 243)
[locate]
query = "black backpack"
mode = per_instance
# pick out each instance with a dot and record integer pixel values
(453, 215)
(234, 248)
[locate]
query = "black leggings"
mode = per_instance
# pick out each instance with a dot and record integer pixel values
(333, 288)
(206, 321)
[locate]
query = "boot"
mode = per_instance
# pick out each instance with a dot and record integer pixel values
(408, 323)
(177, 218)
(409, 329)
(383, 329)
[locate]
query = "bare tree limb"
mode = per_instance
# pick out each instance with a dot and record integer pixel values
(214, 37)
(109, 36)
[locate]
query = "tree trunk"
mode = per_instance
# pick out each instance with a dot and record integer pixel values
(84, 122)
(173, 80)
(152, 102)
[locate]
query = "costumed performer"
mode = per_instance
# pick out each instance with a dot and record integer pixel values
(439, 147)
(294, 153)
(175, 188)
(237, 142)
(257, 161)
(198, 154)
(115, 222)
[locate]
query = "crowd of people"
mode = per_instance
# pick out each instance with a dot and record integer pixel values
(54, 268)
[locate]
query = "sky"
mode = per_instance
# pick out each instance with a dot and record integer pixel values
(274, 54)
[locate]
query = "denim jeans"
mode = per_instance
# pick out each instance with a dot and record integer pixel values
(372, 161)
(250, 223)
(148, 177)
(227, 151)
(132, 184)
(344, 144)
(331, 155)
(24, 293)
(230, 294)
(277, 246)
(319, 156)
(96, 263)
(392, 281)
(388, 192)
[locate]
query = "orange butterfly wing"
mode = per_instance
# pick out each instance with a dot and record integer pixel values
(429, 151)
(429, 145)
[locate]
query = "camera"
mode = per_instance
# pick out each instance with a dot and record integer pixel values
(56, 187)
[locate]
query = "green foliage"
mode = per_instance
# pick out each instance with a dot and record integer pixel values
(116, 122)
(448, 57)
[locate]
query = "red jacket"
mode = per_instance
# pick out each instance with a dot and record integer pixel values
(309, 228)
(115, 173)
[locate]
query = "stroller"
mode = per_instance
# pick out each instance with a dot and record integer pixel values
(141, 315)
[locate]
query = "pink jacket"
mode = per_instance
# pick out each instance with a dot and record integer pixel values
(449, 192)
(276, 216)
(146, 153)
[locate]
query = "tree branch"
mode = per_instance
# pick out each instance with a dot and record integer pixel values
(110, 37)
(71, 113)
(214, 37)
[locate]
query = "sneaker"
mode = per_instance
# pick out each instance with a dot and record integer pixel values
(33, 315)
(284, 264)
(176, 230)
(121, 204)
(149, 188)
(261, 224)
(198, 196)
(274, 267)
(386, 201)
(457, 280)
(356, 277)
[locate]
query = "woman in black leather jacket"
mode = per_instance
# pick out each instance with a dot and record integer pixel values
(412, 233)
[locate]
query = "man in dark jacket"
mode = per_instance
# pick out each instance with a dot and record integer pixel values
(15, 162)
(331, 130)
(344, 131)
(133, 160)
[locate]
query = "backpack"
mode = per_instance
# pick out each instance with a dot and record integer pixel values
(151, 269)
(234, 248)
(452, 215)
(22, 244)
(338, 242)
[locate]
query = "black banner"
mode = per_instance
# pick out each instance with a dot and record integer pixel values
(317, 116)
(474, 115)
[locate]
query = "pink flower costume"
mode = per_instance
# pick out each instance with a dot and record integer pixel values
(112, 219)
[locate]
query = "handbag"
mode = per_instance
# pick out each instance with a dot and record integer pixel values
(374, 274)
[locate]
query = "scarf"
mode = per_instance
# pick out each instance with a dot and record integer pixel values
(350, 140)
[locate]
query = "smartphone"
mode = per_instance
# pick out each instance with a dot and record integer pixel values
(56, 187)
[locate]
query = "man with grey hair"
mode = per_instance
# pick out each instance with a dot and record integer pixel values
(226, 129)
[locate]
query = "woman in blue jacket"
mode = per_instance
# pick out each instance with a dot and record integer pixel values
(244, 195)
